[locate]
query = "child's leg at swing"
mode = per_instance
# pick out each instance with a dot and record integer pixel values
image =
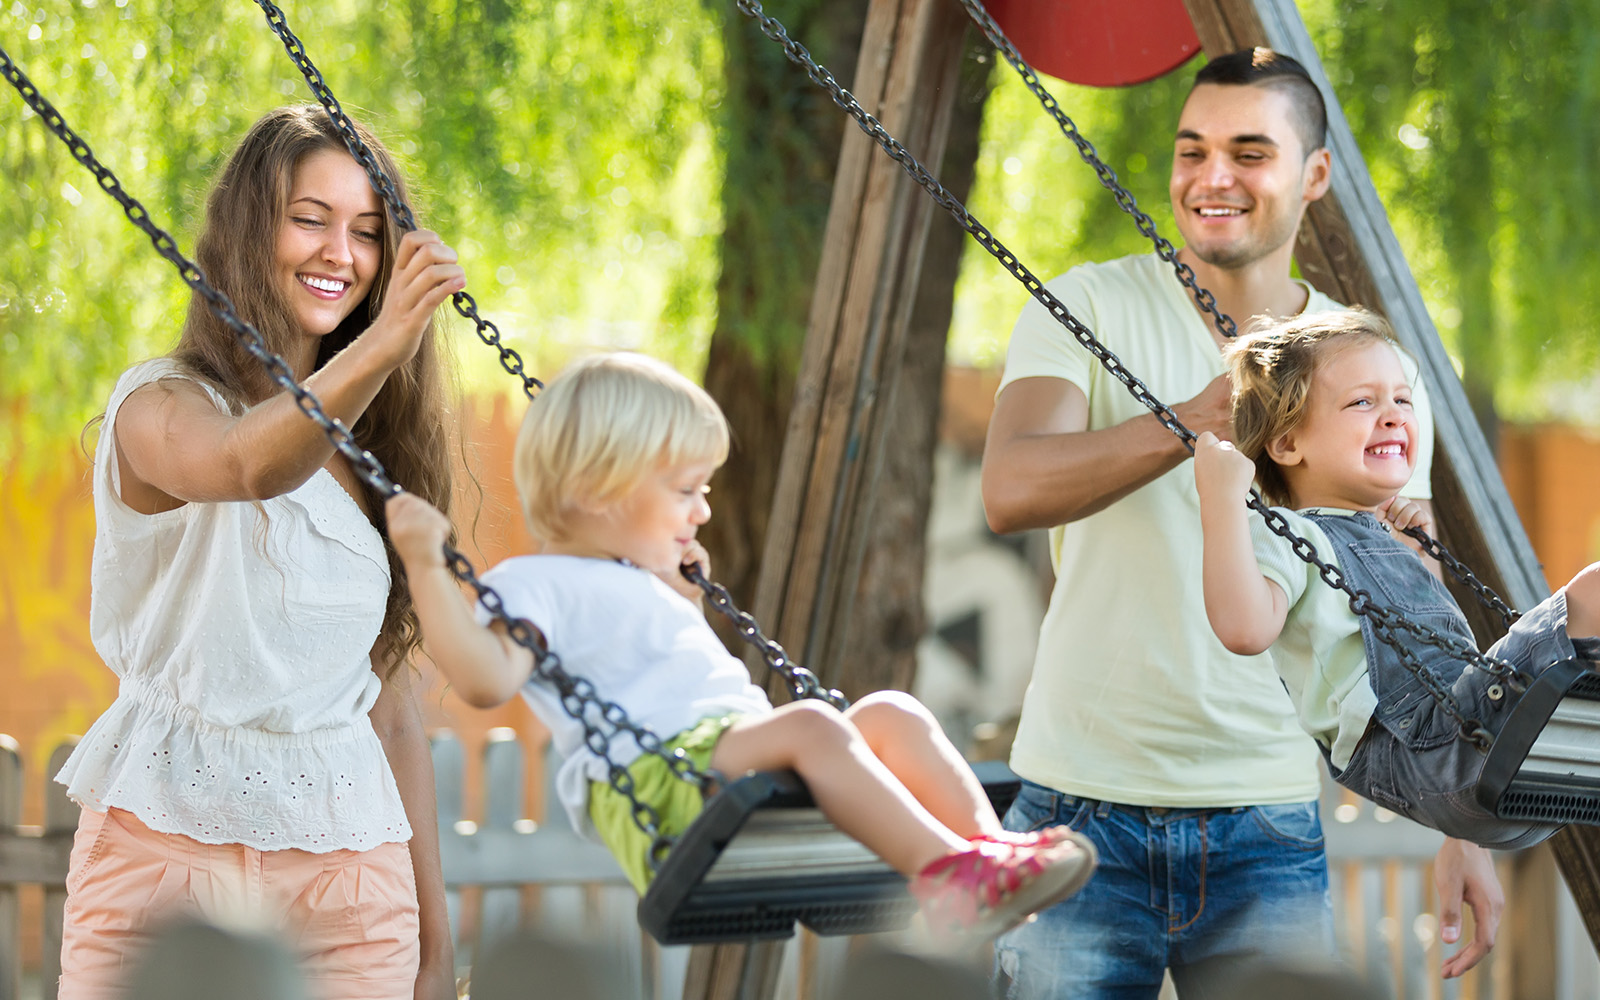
(905, 736)
(908, 739)
(851, 786)
(1583, 603)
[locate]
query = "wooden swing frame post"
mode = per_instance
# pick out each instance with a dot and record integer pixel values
(866, 285)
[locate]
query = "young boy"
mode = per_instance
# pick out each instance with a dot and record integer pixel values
(612, 464)
(1323, 422)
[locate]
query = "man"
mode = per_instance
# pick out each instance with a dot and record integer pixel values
(1182, 761)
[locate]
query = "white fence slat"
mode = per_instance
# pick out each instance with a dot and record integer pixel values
(10, 912)
(60, 818)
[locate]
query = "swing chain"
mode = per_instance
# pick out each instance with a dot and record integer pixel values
(802, 682)
(1458, 569)
(1108, 177)
(1386, 622)
(464, 303)
(577, 697)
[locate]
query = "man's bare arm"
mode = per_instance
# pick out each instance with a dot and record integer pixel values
(1042, 466)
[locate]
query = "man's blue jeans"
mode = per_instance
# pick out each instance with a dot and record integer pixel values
(1199, 891)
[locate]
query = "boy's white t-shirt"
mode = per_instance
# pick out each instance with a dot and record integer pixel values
(640, 643)
(1133, 699)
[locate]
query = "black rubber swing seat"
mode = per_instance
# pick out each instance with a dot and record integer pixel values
(761, 857)
(1544, 765)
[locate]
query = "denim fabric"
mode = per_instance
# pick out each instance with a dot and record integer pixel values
(1413, 760)
(1194, 890)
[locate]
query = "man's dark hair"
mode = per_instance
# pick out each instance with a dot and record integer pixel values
(1266, 68)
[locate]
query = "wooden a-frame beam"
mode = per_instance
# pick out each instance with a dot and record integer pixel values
(866, 284)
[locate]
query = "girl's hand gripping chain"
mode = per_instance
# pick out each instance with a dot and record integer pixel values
(1400, 514)
(425, 274)
(418, 530)
(1245, 609)
(1221, 472)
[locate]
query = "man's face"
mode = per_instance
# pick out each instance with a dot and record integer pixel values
(1240, 175)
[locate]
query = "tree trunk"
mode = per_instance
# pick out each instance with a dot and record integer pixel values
(781, 135)
(890, 616)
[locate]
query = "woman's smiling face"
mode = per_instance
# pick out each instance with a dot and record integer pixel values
(330, 241)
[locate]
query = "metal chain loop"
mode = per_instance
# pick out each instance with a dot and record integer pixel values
(1186, 276)
(578, 697)
(1386, 622)
(464, 303)
(1458, 569)
(802, 682)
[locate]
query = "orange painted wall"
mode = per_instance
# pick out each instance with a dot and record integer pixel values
(1553, 475)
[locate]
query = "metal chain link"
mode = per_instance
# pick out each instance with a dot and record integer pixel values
(464, 303)
(578, 697)
(800, 680)
(1386, 622)
(1164, 250)
(1458, 569)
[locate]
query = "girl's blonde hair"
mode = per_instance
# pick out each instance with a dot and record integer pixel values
(599, 429)
(1271, 369)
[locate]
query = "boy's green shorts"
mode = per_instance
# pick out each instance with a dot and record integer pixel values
(677, 801)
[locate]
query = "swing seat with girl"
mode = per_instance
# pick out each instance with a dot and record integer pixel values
(1431, 729)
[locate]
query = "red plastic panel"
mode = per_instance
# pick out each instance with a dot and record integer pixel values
(1102, 43)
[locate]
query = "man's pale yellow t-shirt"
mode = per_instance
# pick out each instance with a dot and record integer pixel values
(1133, 699)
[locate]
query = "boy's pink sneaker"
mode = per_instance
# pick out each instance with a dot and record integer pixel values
(992, 887)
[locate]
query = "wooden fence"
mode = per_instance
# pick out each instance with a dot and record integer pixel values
(504, 871)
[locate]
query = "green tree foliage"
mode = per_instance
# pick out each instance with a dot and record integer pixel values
(1481, 124)
(566, 149)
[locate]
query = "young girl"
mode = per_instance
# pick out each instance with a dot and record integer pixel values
(1323, 422)
(612, 465)
(264, 759)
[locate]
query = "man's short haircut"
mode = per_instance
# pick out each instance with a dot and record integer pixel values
(1262, 67)
(608, 422)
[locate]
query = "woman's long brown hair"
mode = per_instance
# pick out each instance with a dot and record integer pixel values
(405, 425)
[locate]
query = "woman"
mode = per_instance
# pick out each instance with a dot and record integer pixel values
(264, 760)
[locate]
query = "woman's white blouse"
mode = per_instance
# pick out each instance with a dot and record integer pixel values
(241, 633)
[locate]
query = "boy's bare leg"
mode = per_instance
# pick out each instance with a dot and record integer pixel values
(851, 786)
(1583, 602)
(909, 741)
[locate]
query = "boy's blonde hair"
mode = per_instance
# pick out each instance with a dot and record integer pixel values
(600, 428)
(1271, 369)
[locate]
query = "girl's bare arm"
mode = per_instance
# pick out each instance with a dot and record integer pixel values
(1246, 610)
